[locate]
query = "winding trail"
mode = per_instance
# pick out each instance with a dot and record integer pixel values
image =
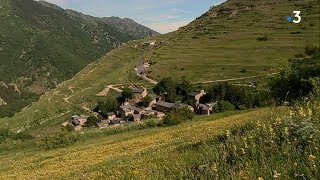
(55, 93)
(234, 79)
(106, 90)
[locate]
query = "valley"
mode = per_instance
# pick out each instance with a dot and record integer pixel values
(253, 79)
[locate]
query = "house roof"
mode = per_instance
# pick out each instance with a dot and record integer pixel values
(179, 105)
(129, 108)
(165, 104)
(111, 114)
(194, 93)
(136, 116)
(138, 90)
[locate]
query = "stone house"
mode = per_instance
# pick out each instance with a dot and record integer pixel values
(196, 95)
(205, 109)
(126, 111)
(139, 93)
(163, 106)
(111, 116)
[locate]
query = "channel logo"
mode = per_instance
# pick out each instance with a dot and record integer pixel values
(296, 19)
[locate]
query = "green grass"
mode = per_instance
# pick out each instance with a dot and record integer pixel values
(235, 49)
(235, 46)
(102, 155)
(43, 48)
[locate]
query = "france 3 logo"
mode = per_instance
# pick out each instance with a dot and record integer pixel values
(297, 17)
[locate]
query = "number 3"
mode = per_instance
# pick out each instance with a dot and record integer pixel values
(297, 15)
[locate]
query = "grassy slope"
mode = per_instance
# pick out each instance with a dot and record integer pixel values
(138, 153)
(234, 49)
(41, 48)
(225, 44)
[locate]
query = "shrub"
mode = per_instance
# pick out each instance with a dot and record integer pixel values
(59, 140)
(223, 106)
(127, 93)
(4, 134)
(106, 106)
(22, 136)
(263, 38)
(91, 121)
(178, 116)
(145, 101)
(294, 82)
(243, 71)
(152, 123)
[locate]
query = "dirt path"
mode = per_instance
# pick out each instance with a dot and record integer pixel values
(234, 79)
(55, 93)
(106, 90)
(67, 98)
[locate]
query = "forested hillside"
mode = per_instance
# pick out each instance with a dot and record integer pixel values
(42, 46)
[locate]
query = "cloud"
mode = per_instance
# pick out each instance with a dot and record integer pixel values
(165, 27)
(161, 15)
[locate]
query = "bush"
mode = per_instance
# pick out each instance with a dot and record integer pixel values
(145, 101)
(178, 116)
(22, 136)
(106, 106)
(294, 82)
(311, 50)
(91, 121)
(127, 93)
(223, 106)
(152, 123)
(263, 38)
(59, 140)
(4, 134)
(243, 71)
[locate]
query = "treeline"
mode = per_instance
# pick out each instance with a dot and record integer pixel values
(173, 90)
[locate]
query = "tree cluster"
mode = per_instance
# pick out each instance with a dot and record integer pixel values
(296, 78)
(172, 90)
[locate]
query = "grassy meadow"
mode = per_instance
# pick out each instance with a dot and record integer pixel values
(118, 153)
(270, 143)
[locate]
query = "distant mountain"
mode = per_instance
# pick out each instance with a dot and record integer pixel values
(125, 25)
(41, 46)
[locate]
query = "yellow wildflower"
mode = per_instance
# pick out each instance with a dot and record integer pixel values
(276, 175)
(312, 157)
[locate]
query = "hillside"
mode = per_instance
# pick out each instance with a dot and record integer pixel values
(221, 44)
(41, 48)
(125, 25)
(127, 154)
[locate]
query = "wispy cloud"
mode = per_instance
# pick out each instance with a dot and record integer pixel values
(163, 16)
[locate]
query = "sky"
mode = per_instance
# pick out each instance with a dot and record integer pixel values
(161, 15)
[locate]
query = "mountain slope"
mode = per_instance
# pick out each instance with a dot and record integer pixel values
(134, 152)
(221, 44)
(41, 47)
(125, 25)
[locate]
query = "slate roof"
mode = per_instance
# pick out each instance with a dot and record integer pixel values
(111, 114)
(165, 104)
(179, 105)
(194, 93)
(129, 108)
(138, 90)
